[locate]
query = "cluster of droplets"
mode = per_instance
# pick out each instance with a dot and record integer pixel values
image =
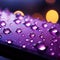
(37, 41)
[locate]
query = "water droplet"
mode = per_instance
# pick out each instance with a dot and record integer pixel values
(32, 35)
(44, 25)
(17, 21)
(43, 39)
(34, 27)
(39, 41)
(27, 39)
(41, 47)
(54, 31)
(7, 31)
(23, 35)
(52, 44)
(51, 49)
(52, 53)
(31, 40)
(21, 17)
(55, 40)
(9, 41)
(27, 24)
(2, 23)
(24, 46)
(41, 36)
(18, 30)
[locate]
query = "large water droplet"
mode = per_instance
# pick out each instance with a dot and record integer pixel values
(41, 47)
(34, 27)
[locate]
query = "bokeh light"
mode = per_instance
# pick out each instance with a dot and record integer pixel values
(50, 1)
(19, 12)
(38, 15)
(52, 16)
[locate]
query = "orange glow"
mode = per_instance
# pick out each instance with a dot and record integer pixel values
(19, 12)
(50, 1)
(37, 15)
(52, 16)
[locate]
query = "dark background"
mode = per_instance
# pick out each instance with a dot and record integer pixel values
(30, 6)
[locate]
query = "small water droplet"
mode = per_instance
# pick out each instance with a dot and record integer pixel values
(44, 25)
(7, 31)
(55, 40)
(18, 30)
(27, 39)
(41, 36)
(17, 21)
(32, 35)
(9, 41)
(34, 27)
(52, 53)
(24, 46)
(2, 23)
(31, 40)
(51, 49)
(27, 24)
(52, 44)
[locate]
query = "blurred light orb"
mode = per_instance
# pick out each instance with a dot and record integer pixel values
(19, 12)
(37, 15)
(50, 1)
(52, 16)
